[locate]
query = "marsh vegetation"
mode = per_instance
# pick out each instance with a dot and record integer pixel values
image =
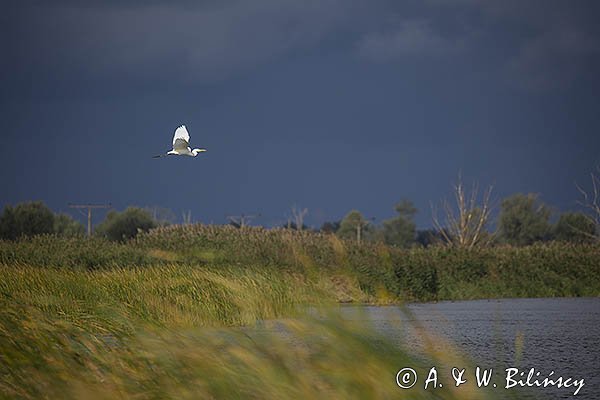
(169, 314)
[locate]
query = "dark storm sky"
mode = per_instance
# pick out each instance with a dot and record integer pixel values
(331, 105)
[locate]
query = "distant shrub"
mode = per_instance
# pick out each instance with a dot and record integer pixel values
(524, 220)
(432, 273)
(26, 219)
(379, 272)
(125, 225)
(575, 228)
(355, 226)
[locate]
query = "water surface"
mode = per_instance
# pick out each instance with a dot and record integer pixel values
(561, 335)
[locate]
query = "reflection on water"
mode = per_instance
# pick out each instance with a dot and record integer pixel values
(561, 335)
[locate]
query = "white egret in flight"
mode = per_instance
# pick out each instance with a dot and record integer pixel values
(181, 145)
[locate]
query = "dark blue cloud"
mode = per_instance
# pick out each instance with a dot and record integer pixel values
(328, 105)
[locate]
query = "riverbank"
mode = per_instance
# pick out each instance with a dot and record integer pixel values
(158, 317)
(339, 270)
(173, 332)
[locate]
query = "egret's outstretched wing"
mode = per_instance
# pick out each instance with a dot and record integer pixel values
(180, 145)
(181, 133)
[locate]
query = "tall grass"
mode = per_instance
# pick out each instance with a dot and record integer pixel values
(172, 313)
(383, 273)
(303, 358)
(167, 295)
(160, 332)
(366, 273)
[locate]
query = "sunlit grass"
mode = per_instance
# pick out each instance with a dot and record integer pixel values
(174, 313)
(166, 295)
(178, 332)
(322, 357)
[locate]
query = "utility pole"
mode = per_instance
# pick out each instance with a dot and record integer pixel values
(89, 213)
(359, 228)
(241, 220)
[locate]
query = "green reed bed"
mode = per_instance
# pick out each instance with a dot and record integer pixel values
(160, 316)
(350, 273)
(164, 332)
(384, 274)
(340, 269)
(302, 358)
(166, 295)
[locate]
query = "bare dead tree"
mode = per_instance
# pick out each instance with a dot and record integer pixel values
(464, 223)
(298, 216)
(591, 200)
(241, 221)
(186, 217)
(162, 216)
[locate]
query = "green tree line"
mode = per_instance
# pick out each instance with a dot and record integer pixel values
(523, 219)
(35, 218)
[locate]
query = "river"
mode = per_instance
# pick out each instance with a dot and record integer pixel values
(558, 334)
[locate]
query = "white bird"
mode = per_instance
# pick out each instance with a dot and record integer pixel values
(181, 145)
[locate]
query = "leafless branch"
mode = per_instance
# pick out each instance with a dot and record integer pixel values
(591, 200)
(465, 221)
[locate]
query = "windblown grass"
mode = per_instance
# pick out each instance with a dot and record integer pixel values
(167, 295)
(172, 314)
(382, 274)
(368, 273)
(47, 357)
(161, 333)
